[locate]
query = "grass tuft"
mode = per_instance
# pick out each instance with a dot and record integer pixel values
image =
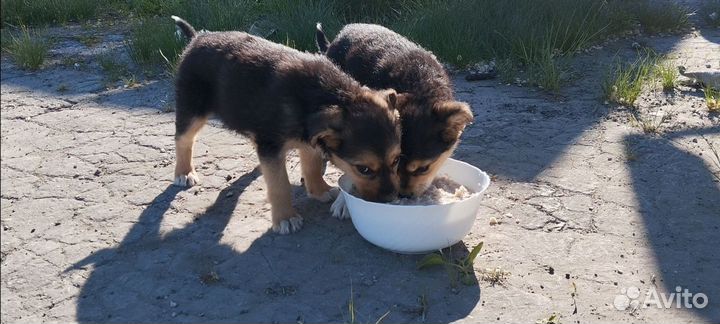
(667, 73)
(712, 99)
(28, 50)
(545, 71)
(657, 16)
(624, 84)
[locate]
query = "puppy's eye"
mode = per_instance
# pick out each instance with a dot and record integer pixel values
(421, 170)
(364, 170)
(396, 161)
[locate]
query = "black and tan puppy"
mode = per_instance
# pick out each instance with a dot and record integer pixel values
(282, 99)
(432, 121)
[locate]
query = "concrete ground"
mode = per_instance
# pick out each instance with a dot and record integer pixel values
(593, 212)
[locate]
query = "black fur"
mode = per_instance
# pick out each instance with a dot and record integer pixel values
(275, 94)
(381, 58)
(186, 28)
(320, 40)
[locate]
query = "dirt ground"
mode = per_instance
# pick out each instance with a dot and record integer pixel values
(591, 209)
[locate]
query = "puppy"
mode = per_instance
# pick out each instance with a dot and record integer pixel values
(282, 99)
(432, 121)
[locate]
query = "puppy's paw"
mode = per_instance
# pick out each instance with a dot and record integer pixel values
(291, 225)
(326, 196)
(188, 180)
(338, 209)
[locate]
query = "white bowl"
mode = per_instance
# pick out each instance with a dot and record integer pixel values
(419, 229)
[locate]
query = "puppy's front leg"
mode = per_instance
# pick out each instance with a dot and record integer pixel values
(311, 164)
(187, 130)
(284, 218)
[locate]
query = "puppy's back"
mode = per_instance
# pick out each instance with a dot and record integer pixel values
(381, 58)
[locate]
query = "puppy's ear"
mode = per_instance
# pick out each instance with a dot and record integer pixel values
(395, 100)
(456, 116)
(322, 128)
(328, 140)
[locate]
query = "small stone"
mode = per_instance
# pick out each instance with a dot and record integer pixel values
(229, 194)
(228, 178)
(567, 276)
(173, 304)
(97, 173)
(694, 140)
(173, 314)
(493, 221)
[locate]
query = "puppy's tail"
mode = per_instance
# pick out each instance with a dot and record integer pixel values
(320, 40)
(183, 26)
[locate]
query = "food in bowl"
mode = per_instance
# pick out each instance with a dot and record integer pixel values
(442, 190)
(417, 228)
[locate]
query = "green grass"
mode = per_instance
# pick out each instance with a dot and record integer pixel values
(521, 35)
(465, 31)
(151, 38)
(462, 269)
(295, 21)
(710, 12)
(624, 83)
(658, 16)
(545, 70)
(712, 99)
(43, 12)
(27, 49)
(667, 73)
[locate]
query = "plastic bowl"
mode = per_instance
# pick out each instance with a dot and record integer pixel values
(419, 229)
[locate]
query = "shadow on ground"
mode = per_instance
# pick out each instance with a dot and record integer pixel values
(189, 275)
(680, 205)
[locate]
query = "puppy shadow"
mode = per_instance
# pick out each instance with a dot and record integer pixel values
(196, 274)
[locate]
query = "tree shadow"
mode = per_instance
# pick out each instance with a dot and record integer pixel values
(679, 201)
(191, 275)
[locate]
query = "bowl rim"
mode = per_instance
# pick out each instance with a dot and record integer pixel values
(484, 187)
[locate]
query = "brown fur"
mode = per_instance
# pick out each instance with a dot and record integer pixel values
(432, 120)
(282, 98)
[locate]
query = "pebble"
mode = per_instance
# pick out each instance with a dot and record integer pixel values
(493, 221)
(173, 304)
